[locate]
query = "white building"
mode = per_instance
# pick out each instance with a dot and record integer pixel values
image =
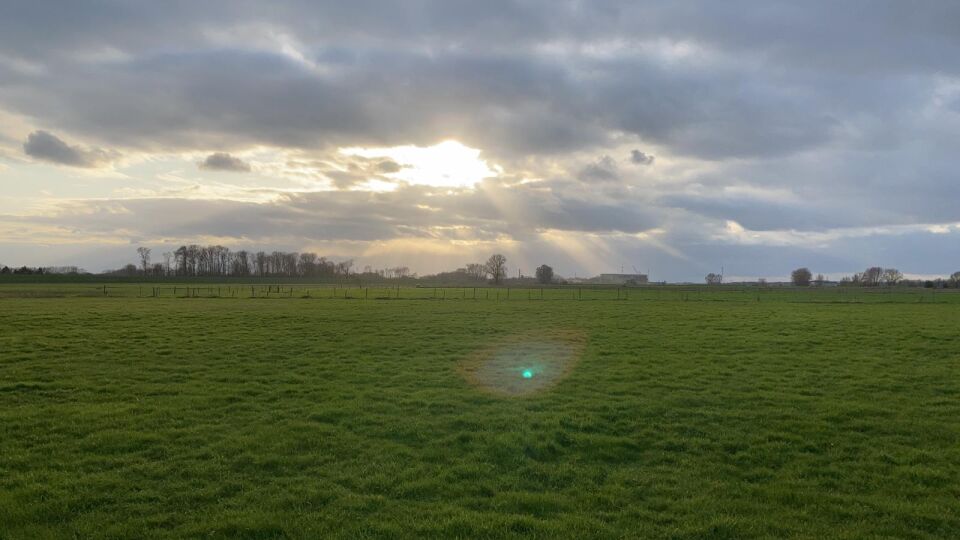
(622, 279)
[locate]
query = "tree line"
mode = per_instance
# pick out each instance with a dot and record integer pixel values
(875, 276)
(219, 261)
(204, 261)
(215, 260)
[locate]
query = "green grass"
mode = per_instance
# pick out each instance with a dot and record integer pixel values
(311, 418)
(205, 288)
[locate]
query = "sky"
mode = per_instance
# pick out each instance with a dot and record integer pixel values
(677, 138)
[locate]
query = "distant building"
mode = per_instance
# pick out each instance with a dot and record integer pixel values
(622, 279)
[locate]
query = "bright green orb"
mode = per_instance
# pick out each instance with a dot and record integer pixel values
(527, 374)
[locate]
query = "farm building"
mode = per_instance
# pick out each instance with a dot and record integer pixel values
(622, 279)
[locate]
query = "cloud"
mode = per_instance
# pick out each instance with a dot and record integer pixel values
(46, 146)
(388, 166)
(577, 234)
(510, 78)
(491, 211)
(222, 161)
(791, 121)
(602, 170)
(639, 158)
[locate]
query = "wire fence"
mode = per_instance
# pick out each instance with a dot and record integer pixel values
(666, 293)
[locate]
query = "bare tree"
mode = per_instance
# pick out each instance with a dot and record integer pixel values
(343, 267)
(241, 264)
(180, 260)
(477, 271)
(801, 277)
(202, 261)
(144, 253)
(892, 276)
(193, 259)
(307, 264)
(326, 268)
(871, 277)
(497, 267)
(260, 263)
(225, 258)
(713, 279)
(544, 274)
(167, 257)
(290, 264)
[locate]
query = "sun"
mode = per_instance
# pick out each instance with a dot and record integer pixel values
(449, 164)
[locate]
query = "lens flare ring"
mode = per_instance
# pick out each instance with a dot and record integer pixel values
(524, 364)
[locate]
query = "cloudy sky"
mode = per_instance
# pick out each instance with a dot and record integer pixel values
(678, 137)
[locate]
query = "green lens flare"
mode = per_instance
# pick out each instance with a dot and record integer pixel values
(527, 374)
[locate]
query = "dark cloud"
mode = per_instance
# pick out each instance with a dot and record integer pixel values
(602, 170)
(507, 105)
(819, 34)
(222, 161)
(46, 146)
(388, 166)
(640, 158)
(510, 77)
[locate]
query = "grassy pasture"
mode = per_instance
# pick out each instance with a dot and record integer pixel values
(715, 416)
(202, 288)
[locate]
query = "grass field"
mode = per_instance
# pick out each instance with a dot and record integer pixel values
(307, 418)
(12, 288)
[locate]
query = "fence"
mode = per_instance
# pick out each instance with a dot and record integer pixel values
(671, 293)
